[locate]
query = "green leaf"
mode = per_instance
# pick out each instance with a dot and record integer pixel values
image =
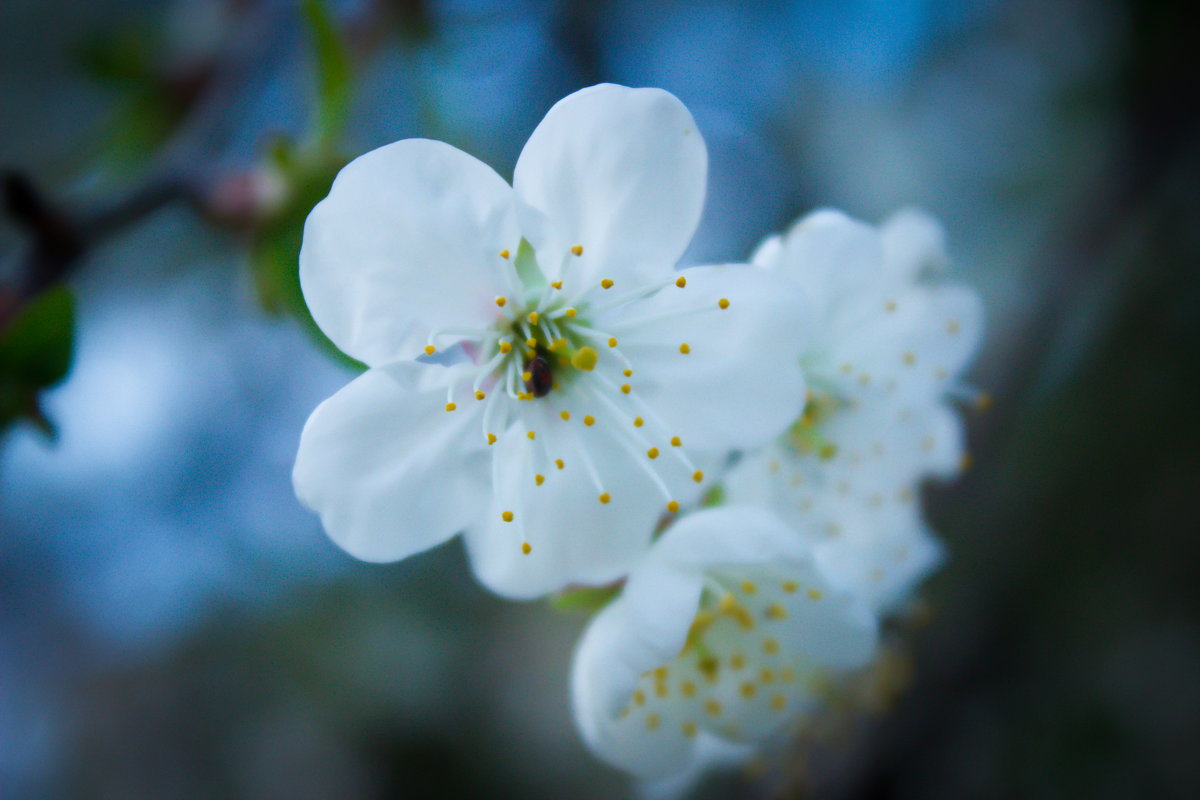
(38, 345)
(36, 351)
(333, 71)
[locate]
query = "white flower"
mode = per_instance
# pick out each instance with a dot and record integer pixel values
(728, 628)
(883, 358)
(592, 376)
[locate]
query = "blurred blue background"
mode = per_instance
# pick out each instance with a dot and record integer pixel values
(174, 624)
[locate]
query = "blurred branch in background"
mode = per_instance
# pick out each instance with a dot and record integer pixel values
(169, 129)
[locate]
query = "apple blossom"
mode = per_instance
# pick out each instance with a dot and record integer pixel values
(883, 358)
(728, 628)
(591, 380)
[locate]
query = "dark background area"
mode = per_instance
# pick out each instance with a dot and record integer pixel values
(174, 624)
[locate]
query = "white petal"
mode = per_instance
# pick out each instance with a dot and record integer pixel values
(619, 171)
(574, 538)
(388, 469)
(832, 257)
(913, 241)
(727, 535)
(768, 252)
(912, 346)
(740, 383)
(608, 663)
(407, 240)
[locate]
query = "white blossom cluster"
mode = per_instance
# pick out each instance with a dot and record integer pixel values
(736, 450)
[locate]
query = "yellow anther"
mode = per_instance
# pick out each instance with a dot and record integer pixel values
(530, 354)
(770, 646)
(589, 420)
(814, 594)
(847, 368)
(504, 253)
(531, 342)
(491, 438)
(526, 548)
(566, 415)
(577, 250)
(605, 498)
(673, 506)
(569, 313)
(748, 690)
(689, 729)
(661, 673)
(737, 661)
(909, 359)
(627, 373)
(585, 359)
(953, 327)
(790, 587)
(532, 435)
(638, 422)
(652, 452)
(612, 341)
(685, 348)
(524, 395)
(533, 319)
(778, 702)
(450, 406)
(506, 347)
(652, 721)
(556, 284)
(626, 388)
(639, 697)
(723, 303)
(748, 587)
(430, 349)
(539, 479)
(766, 676)
(688, 688)
(558, 462)
(776, 611)
(479, 394)
(713, 707)
(698, 475)
(660, 690)
(507, 516)
(676, 441)
(501, 301)
(983, 402)
(787, 675)
(681, 281)
(606, 284)
(527, 376)
(890, 305)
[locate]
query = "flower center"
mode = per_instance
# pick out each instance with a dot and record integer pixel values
(548, 360)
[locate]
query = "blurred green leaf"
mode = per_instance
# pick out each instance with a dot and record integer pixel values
(275, 242)
(121, 57)
(333, 71)
(36, 351)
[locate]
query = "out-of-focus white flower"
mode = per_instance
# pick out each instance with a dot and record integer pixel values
(592, 375)
(727, 628)
(883, 357)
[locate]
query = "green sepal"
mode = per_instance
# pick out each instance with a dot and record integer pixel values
(584, 600)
